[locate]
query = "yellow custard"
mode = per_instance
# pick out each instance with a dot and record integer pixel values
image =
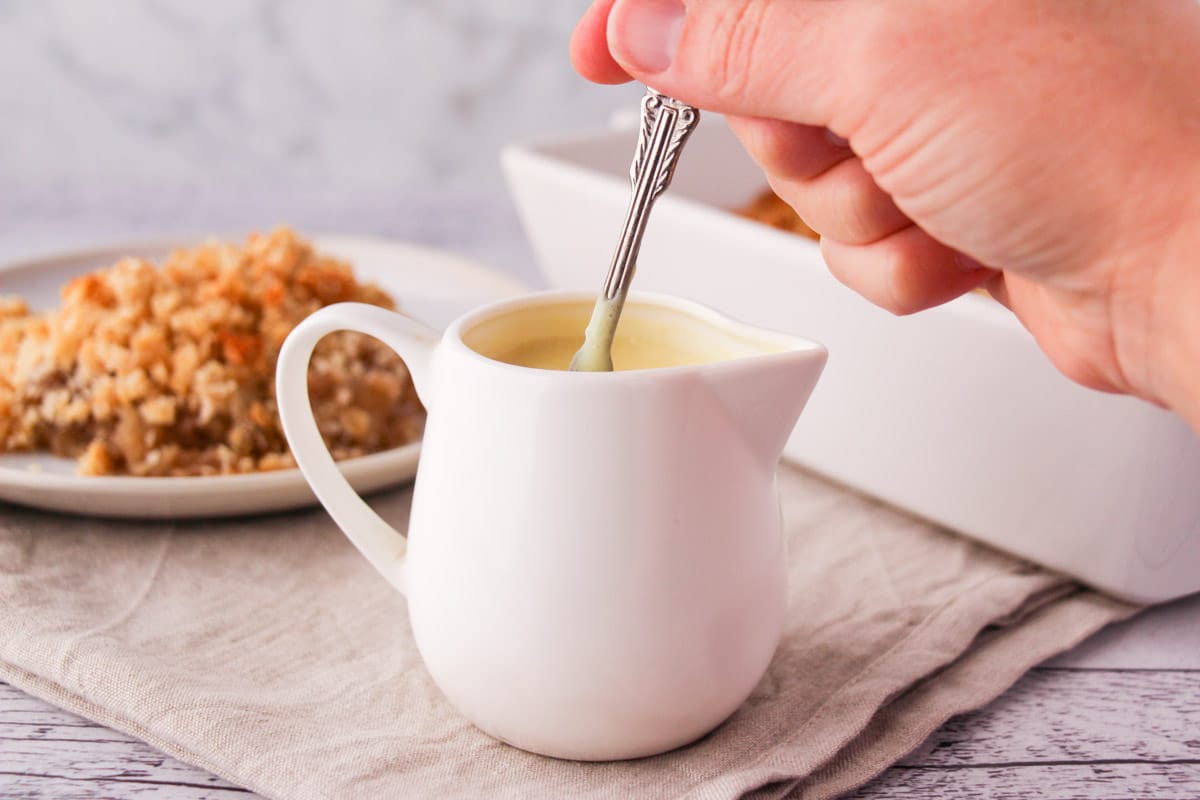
(649, 337)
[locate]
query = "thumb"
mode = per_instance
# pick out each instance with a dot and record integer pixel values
(761, 58)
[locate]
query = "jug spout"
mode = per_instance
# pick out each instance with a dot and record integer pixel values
(764, 395)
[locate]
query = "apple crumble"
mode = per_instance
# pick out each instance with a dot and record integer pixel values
(170, 370)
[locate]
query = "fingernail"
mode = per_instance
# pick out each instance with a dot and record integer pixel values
(644, 34)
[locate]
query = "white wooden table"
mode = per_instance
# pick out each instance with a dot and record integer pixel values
(1117, 718)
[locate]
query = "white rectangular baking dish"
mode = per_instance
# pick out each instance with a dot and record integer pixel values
(953, 414)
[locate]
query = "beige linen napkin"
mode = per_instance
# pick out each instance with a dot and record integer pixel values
(267, 651)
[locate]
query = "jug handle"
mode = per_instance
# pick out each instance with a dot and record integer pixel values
(382, 545)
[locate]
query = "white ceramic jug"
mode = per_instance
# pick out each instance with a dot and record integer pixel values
(594, 565)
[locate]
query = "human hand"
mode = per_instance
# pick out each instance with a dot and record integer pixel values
(1055, 141)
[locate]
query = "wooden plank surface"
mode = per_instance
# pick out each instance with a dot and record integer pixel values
(1060, 732)
(1064, 733)
(1072, 716)
(49, 753)
(1020, 782)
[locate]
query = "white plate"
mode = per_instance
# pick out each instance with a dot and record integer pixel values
(430, 285)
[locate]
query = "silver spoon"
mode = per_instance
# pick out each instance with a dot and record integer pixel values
(666, 125)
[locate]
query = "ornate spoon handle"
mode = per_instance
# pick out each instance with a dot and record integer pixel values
(666, 125)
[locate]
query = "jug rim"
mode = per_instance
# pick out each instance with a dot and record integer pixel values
(787, 345)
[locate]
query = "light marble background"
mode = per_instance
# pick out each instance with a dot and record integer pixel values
(123, 118)
(355, 94)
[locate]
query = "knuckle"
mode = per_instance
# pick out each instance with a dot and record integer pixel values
(850, 207)
(881, 276)
(853, 220)
(858, 202)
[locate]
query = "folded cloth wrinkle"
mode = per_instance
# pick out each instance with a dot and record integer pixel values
(267, 651)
